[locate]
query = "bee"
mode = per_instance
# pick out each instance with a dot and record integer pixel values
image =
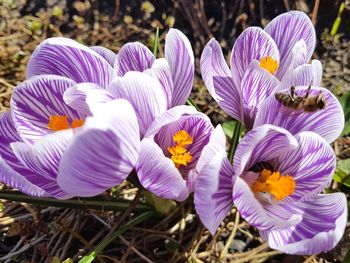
(260, 166)
(306, 103)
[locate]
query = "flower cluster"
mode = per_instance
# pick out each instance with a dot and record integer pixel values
(85, 118)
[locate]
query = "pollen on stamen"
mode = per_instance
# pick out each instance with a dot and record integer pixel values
(58, 123)
(269, 64)
(179, 154)
(279, 186)
(77, 123)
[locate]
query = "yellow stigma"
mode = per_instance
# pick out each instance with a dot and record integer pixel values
(58, 123)
(179, 154)
(269, 64)
(280, 186)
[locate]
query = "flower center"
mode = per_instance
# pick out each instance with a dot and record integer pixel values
(280, 186)
(58, 123)
(179, 154)
(269, 64)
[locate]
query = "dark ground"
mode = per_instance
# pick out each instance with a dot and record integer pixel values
(45, 234)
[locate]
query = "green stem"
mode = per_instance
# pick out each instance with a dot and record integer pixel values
(83, 203)
(191, 103)
(155, 43)
(234, 141)
(108, 239)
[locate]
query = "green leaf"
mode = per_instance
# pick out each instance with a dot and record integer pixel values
(229, 127)
(342, 173)
(156, 42)
(347, 257)
(162, 206)
(345, 103)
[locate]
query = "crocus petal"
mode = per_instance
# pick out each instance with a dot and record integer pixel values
(179, 54)
(45, 154)
(253, 43)
(13, 172)
(66, 57)
(103, 152)
(217, 78)
(213, 191)
(286, 30)
(257, 85)
(323, 223)
(307, 74)
(170, 116)
(263, 143)
(328, 122)
(35, 100)
(161, 70)
(262, 217)
(106, 53)
(144, 93)
(158, 173)
(10, 177)
(78, 95)
(216, 144)
(311, 164)
(133, 57)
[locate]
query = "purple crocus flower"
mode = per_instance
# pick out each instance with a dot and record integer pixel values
(279, 178)
(260, 60)
(179, 147)
(98, 65)
(48, 148)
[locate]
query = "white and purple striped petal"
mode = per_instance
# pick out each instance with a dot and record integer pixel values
(257, 84)
(253, 43)
(161, 70)
(133, 57)
(218, 80)
(323, 223)
(311, 164)
(179, 54)
(145, 94)
(213, 191)
(304, 75)
(158, 174)
(328, 122)
(78, 96)
(103, 152)
(44, 155)
(18, 181)
(286, 30)
(35, 101)
(66, 57)
(12, 172)
(106, 53)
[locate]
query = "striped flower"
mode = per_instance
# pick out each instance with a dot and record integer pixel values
(125, 75)
(48, 148)
(179, 147)
(261, 60)
(279, 179)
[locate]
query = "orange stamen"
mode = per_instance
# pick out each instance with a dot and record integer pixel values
(58, 123)
(279, 186)
(179, 154)
(269, 64)
(77, 123)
